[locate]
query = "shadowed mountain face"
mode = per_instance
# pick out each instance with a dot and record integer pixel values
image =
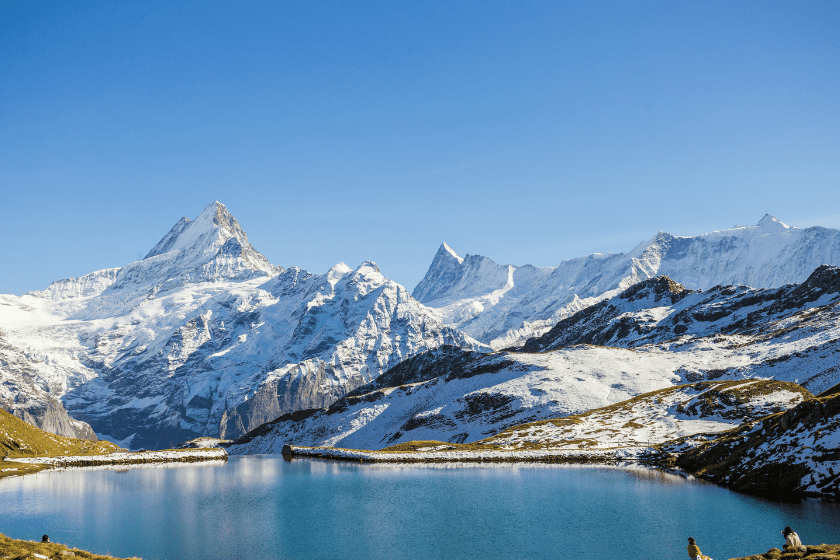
(205, 337)
(504, 305)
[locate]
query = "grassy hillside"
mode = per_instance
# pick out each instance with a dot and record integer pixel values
(20, 550)
(19, 439)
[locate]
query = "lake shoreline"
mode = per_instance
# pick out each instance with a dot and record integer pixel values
(642, 456)
(19, 466)
(57, 550)
(457, 456)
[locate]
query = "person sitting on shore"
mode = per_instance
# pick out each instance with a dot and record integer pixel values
(693, 550)
(792, 541)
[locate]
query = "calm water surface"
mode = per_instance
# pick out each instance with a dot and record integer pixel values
(264, 507)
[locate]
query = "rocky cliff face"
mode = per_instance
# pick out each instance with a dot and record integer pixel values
(204, 337)
(49, 415)
(503, 305)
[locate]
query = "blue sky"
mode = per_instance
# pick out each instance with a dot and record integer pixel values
(529, 132)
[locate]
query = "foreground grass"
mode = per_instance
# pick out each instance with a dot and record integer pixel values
(19, 439)
(20, 550)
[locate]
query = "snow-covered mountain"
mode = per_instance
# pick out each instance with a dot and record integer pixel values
(205, 337)
(503, 305)
(651, 336)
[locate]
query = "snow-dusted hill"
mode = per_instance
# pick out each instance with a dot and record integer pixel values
(789, 453)
(789, 334)
(503, 305)
(204, 337)
(660, 416)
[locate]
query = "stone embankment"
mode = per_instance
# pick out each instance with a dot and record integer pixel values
(127, 458)
(456, 454)
(167, 456)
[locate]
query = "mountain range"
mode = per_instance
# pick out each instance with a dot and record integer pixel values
(205, 337)
(504, 305)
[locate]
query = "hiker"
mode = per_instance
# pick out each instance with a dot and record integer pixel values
(693, 550)
(792, 542)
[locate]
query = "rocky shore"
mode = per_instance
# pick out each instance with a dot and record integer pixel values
(129, 458)
(13, 549)
(813, 552)
(438, 452)
(26, 465)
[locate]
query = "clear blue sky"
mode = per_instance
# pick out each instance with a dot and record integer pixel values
(529, 132)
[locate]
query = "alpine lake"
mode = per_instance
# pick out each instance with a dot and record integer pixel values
(265, 507)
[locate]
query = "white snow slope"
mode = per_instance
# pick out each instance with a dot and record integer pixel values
(204, 337)
(502, 305)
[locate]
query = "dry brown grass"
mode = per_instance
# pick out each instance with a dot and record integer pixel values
(20, 550)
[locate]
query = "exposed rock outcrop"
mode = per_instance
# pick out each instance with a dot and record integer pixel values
(50, 415)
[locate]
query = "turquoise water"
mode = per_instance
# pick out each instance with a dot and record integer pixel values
(264, 507)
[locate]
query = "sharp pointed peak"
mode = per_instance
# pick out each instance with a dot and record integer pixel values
(769, 220)
(216, 212)
(445, 250)
(215, 205)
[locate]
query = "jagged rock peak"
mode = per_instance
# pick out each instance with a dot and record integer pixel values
(444, 271)
(445, 251)
(209, 248)
(368, 264)
(658, 287)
